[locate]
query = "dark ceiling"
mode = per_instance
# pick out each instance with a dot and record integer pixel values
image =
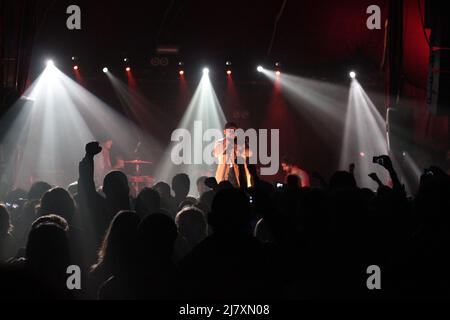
(309, 34)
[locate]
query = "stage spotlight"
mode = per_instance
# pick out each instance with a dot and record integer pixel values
(181, 72)
(364, 134)
(50, 63)
(105, 70)
(203, 113)
(228, 63)
(125, 60)
(260, 69)
(229, 72)
(352, 74)
(74, 58)
(278, 73)
(205, 71)
(75, 67)
(127, 69)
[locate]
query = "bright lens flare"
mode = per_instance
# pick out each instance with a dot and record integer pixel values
(352, 74)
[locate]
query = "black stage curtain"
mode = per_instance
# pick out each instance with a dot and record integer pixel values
(19, 22)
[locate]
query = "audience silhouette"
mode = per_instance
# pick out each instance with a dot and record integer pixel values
(259, 242)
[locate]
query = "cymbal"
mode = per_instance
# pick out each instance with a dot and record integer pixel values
(140, 179)
(138, 162)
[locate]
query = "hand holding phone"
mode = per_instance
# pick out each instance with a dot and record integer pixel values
(383, 161)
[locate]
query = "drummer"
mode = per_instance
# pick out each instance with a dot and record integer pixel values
(102, 163)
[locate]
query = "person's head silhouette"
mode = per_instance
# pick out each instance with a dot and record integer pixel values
(201, 186)
(230, 212)
(181, 185)
(342, 180)
(156, 235)
(58, 201)
(148, 201)
(119, 245)
(115, 185)
(51, 219)
(47, 248)
(37, 190)
(163, 189)
(191, 225)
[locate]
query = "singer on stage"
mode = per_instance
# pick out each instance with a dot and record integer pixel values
(228, 151)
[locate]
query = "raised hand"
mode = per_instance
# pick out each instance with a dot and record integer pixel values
(375, 178)
(93, 148)
(386, 162)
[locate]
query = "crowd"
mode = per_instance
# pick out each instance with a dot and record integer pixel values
(259, 242)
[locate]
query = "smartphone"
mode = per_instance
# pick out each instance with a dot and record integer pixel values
(378, 160)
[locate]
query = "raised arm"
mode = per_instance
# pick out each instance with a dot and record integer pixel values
(386, 162)
(375, 178)
(86, 184)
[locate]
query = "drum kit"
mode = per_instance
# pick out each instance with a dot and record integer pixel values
(138, 179)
